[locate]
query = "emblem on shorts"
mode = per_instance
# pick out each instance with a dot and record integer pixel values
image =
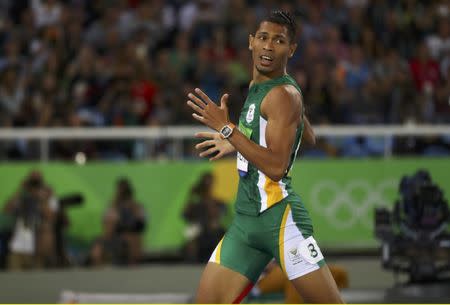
(250, 113)
(294, 256)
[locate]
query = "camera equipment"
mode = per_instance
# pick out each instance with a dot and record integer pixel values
(71, 200)
(414, 236)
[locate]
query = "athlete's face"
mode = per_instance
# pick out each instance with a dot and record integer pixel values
(271, 48)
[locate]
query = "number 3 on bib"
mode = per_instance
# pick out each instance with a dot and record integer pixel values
(310, 251)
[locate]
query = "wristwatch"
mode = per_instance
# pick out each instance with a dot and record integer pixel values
(227, 130)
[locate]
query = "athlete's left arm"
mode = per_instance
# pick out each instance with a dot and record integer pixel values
(308, 133)
(282, 109)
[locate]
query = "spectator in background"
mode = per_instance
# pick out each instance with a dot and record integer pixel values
(46, 12)
(156, 17)
(439, 43)
(203, 214)
(394, 83)
(12, 93)
(96, 33)
(442, 110)
(424, 70)
(199, 17)
(132, 220)
(110, 248)
(123, 225)
(357, 69)
(317, 94)
(352, 28)
(315, 27)
(335, 49)
(11, 56)
(33, 208)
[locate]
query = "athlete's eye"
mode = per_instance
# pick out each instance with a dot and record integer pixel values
(280, 41)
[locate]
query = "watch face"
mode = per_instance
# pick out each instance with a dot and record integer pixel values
(226, 131)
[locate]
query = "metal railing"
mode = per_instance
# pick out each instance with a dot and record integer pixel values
(180, 133)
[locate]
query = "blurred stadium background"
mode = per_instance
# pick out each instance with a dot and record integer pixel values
(104, 199)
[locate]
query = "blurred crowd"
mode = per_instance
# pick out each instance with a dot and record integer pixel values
(131, 62)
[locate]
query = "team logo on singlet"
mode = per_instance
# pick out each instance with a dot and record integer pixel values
(250, 113)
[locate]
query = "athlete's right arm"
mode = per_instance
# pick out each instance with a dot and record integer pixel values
(281, 107)
(282, 110)
(213, 145)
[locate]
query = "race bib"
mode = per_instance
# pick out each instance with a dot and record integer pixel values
(310, 251)
(242, 165)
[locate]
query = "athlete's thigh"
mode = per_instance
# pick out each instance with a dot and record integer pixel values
(233, 265)
(318, 287)
(301, 259)
(220, 284)
(296, 250)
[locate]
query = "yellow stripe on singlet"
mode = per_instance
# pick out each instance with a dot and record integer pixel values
(281, 236)
(273, 191)
(219, 248)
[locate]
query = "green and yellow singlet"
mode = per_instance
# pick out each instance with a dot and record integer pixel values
(256, 191)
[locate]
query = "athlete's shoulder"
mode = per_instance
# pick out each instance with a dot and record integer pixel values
(285, 95)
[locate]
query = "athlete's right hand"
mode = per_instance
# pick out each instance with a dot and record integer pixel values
(213, 144)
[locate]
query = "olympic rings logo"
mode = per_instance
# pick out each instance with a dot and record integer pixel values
(330, 199)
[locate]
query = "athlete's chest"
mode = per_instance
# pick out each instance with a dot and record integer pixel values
(250, 113)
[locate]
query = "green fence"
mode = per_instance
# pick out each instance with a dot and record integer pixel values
(340, 194)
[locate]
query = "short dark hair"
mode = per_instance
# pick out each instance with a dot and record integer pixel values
(285, 19)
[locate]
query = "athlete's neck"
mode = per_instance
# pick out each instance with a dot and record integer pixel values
(259, 77)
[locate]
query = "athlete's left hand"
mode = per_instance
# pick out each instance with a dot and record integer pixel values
(208, 112)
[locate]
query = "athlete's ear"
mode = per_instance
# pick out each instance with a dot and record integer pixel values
(250, 42)
(292, 48)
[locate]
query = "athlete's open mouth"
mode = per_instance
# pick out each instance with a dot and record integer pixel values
(265, 57)
(266, 60)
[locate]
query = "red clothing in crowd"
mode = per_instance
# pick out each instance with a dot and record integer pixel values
(424, 72)
(145, 90)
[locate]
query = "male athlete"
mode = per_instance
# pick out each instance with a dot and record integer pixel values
(271, 220)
